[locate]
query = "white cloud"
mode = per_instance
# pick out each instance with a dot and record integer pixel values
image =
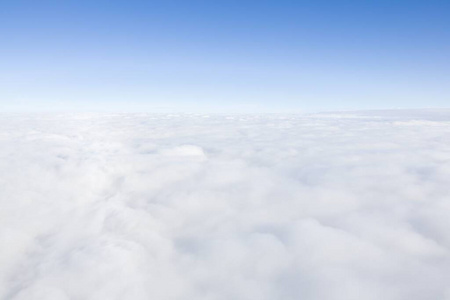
(135, 206)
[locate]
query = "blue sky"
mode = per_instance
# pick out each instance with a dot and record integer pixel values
(223, 56)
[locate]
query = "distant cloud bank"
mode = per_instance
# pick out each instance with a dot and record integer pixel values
(335, 206)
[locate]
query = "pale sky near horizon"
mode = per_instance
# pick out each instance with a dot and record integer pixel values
(223, 56)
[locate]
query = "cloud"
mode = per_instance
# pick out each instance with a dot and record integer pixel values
(137, 206)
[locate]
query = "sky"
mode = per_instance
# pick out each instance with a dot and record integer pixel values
(223, 56)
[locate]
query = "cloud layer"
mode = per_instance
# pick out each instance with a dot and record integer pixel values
(328, 206)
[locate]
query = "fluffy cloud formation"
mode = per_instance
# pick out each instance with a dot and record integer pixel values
(326, 206)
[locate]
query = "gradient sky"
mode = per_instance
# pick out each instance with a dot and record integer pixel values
(223, 56)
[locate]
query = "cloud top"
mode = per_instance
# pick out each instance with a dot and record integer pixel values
(136, 206)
